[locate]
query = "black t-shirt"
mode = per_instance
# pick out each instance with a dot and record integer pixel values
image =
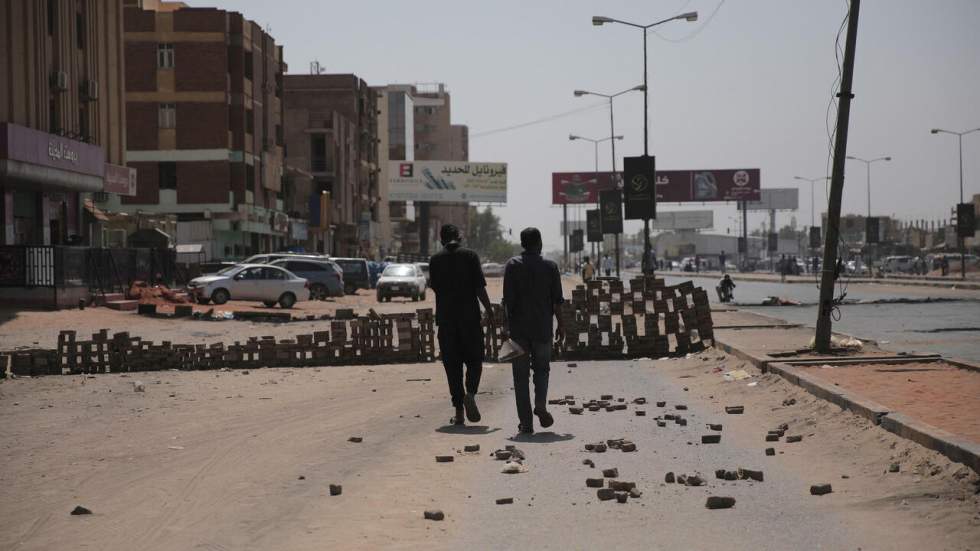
(532, 288)
(456, 277)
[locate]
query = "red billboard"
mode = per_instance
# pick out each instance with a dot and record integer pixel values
(673, 186)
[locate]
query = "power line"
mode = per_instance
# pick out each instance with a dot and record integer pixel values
(538, 121)
(693, 33)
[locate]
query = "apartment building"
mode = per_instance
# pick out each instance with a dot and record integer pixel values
(204, 126)
(62, 119)
(397, 143)
(332, 133)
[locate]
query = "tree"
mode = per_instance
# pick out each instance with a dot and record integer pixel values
(486, 236)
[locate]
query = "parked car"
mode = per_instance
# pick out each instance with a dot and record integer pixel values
(857, 267)
(267, 258)
(402, 280)
(897, 264)
(268, 284)
(493, 269)
(356, 274)
(424, 266)
(326, 277)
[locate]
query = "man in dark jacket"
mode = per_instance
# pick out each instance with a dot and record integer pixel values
(457, 279)
(532, 295)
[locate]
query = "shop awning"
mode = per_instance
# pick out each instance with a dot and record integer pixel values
(95, 211)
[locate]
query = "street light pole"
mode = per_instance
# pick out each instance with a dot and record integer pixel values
(962, 240)
(612, 134)
(595, 144)
(599, 21)
(867, 165)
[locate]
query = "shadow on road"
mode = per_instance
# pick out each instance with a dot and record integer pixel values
(466, 429)
(541, 437)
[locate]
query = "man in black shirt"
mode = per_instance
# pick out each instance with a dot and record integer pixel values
(457, 279)
(532, 295)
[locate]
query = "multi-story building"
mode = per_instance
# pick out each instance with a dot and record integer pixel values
(62, 118)
(397, 143)
(204, 126)
(332, 133)
(437, 139)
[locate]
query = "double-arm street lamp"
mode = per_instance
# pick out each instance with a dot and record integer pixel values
(595, 144)
(962, 240)
(612, 134)
(812, 181)
(598, 21)
(867, 164)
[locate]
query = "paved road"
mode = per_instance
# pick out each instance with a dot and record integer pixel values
(899, 327)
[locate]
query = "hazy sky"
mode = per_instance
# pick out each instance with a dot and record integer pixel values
(749, 89)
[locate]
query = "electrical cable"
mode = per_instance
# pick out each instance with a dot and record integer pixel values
(539, 121)
(693, 33)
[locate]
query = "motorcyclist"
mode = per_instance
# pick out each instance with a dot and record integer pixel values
(725, 288)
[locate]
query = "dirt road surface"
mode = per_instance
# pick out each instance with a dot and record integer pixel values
(227, 460)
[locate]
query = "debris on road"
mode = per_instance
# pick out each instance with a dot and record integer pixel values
(611, 473)
(669, 478)
(336, 489)
(820, 489)
(795, 438)
(138, 386)
(714, 426)
(605, 494)
(513, 467)
(355, 439)
(770, 451)
(433, 514)
(595, 482)
(789, 402)
(588, 462)
(445, 459)
(79, 510)
(710, 438)
(718, 502)
(734, 410)
(505, 501)
(470, 448)
(894, 468)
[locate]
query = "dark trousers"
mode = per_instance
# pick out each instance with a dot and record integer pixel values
(537, 359)
(461, 343)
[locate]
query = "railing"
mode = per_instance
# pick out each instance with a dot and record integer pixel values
(97, 269)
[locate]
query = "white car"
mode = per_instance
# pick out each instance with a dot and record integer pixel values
(261, 282)
(493, 269)
(402, 280)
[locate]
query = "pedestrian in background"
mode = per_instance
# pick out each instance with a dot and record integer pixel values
(457, 279)
(721, 259)
(607, 265)
(532, 296)
(588, 270)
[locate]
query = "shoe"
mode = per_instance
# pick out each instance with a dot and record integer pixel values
(472, 412)
(529, 429)
(458, 418)
(544, 417)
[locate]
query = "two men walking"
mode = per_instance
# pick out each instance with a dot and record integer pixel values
(532, 295)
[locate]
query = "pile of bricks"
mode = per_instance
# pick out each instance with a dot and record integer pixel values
(371, 339)
(604, 320)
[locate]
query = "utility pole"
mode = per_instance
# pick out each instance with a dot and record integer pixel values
(824, 323)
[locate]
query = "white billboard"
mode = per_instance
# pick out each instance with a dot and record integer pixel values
(447, 181)
(776, 199)
(684, 220)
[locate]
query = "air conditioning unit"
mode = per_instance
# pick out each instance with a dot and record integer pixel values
(89, 90)
(59, 81)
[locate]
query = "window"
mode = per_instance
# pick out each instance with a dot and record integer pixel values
(249, 59)
(318, 152)
(52, 16)
(249, 122)
(80, 30)
(165, 56)
(54, 124)
(167, 175)
(168, 115)
(83, 127)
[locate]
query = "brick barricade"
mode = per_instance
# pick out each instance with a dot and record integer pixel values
(602, 321)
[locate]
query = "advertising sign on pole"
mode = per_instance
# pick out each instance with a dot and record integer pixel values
(871, 230)
(741, 246)
(577, 243)
(638, 187)
(611, 209)
(815, 237)
(593, 224)
(773, 242)
(447, 181)
(672, 186)
(776, 199)
(569, 227)
(966, 220)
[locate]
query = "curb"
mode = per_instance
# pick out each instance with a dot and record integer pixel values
(959, 283)
(936, 439)
(948, 444)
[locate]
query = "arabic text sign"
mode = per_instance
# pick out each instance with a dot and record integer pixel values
(447, 181)
(673, 186)
(572, 188)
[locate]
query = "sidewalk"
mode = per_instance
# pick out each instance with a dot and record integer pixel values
(926, 398)
(925, 281)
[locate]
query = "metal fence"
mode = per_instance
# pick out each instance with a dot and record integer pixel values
(95, 268)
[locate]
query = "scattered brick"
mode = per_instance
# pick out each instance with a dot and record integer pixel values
(622, 497)
(610, 473)
(595, 482)
(718, 502)
(680, 407)
(770, 451)
(640, 413)
(661, 404)
(710, 438)
(79, 510)
(433, 514)
(735, 410)
(471, 448)
(795, 438)
(750, 474)
(336, 489)
(605, 494)
(669, 478)
(820, 489)
(505, 501)
(445, 459)
(714, 426)
(355, 439)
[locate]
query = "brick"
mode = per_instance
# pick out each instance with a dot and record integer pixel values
(718, 502)
(821, 489)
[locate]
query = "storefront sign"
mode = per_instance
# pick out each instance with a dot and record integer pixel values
(19, 143)
(120, 180)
